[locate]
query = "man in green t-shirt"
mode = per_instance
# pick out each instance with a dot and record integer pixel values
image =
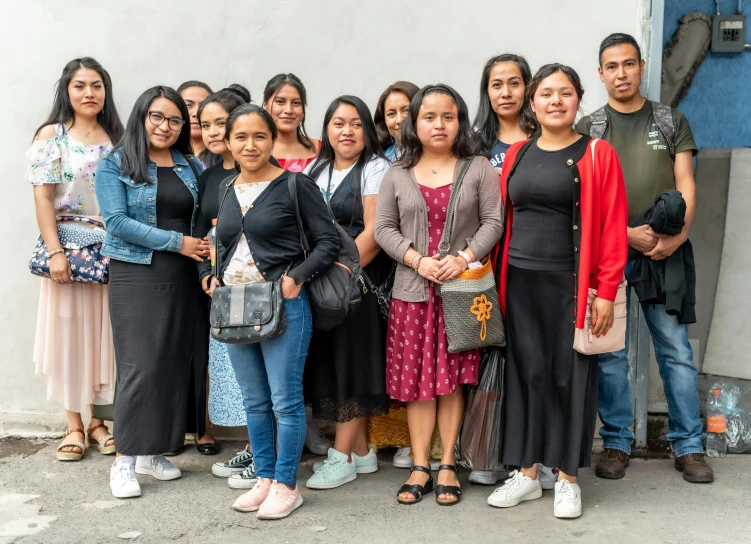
(656, 148)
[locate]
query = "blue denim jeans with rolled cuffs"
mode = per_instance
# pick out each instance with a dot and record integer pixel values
(270, 377)
(675, 358)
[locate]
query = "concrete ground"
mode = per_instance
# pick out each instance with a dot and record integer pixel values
(42, 500)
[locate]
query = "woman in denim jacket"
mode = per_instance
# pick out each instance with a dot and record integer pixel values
(148, 192)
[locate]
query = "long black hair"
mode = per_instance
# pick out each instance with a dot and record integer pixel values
(486, 120)
(134, 147)
(465, 145)
(228, 98)
(274, 85)
(372, 146)
(379, 116)
(62, 110)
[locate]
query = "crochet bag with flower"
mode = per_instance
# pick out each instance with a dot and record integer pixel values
(471, 313)
(82, 246)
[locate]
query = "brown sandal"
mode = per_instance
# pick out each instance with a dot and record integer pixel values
(101, 444)
(71, 455)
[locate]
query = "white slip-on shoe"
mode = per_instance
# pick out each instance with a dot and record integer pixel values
(402, 458)
(157, 466)
(517, 488)
(568, 500)
(315, 439)
(547, 476)
(123, 481)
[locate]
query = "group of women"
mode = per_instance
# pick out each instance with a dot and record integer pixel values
(191, 159)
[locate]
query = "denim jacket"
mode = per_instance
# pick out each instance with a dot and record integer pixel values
(129, 210)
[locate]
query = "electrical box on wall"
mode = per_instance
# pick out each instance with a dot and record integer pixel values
(728, 33)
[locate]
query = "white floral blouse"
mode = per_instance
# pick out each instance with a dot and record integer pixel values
(71, 165)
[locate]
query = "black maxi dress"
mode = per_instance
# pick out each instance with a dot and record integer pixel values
(551, 390)
(159, 324)
(345, 372)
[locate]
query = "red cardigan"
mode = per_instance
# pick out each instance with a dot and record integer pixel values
(604, 220)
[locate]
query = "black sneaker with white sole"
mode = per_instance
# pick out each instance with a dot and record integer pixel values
(245, 480)
(236, 465)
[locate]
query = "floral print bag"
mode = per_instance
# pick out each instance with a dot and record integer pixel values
(82, 246)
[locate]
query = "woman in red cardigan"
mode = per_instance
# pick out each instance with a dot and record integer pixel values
(565, 232)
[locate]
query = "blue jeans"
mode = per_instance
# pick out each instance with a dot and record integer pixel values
(270, 377)
(679, 376)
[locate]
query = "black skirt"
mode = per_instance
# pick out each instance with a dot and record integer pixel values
(551, 390)
(345, 372)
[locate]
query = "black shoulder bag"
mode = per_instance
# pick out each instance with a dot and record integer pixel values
(335, 293)
(249, 313)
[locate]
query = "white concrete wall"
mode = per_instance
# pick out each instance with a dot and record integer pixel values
(335, 46)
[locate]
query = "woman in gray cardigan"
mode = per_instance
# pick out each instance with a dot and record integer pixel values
(411, 212)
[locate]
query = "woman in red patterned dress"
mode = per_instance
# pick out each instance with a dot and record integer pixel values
(411, 212)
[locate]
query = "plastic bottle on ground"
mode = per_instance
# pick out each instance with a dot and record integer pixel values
(716, 442)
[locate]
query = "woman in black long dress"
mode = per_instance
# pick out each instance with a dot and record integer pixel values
(148, 191)
(345, 373)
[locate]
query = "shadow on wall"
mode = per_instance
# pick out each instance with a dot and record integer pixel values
(716, 104)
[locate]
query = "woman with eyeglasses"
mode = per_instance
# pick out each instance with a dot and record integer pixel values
(148, 192)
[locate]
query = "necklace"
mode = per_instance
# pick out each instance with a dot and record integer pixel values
(87, 135)
(435, 171)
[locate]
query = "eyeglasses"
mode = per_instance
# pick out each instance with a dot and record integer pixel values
(157, 118)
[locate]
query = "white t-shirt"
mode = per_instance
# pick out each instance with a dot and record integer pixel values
(371, 179)
(241, 268)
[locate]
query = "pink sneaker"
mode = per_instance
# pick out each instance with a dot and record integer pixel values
(252, 500)
(280, 503)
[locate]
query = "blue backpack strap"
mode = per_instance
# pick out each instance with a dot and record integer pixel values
(663, 115)
(598, 122)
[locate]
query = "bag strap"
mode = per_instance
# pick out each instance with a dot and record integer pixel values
(598, 122)
(190, 158)
(292, 185)
(79, 219)
(663, 116)
(227, 187)
(443, 245)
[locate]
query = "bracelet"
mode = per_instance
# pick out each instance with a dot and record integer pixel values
(464, 256)
(54, 252)
(417, 264)
(415, 254)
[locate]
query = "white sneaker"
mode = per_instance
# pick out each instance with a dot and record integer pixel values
(547, 476)
(568, 500)
(315, 440)
(517, 488)
(402, 458)
(157, 466)
(123, 481)
(245, 480)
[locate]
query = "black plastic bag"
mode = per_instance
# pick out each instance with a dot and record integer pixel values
(481, 437)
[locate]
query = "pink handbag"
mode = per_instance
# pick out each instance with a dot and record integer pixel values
(587, 343)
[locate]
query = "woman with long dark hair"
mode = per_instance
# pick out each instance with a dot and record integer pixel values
(392, 109)
(504, 117)
(148, 192)
(286, 98)
(345, 373)
(259, 241)
(73, 344)
(438, 139)
(194, 92)
(565, 234)
(225, 406)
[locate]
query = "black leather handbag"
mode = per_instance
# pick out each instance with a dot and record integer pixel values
(382, 291)
(337, 292)
(249, 313)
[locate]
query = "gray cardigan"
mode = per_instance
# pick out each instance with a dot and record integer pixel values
(402, 221)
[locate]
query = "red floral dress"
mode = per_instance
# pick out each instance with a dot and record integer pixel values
(418, 364)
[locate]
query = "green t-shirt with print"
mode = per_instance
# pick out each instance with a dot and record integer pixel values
(643, 152)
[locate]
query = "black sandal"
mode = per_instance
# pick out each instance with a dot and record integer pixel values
(416, 490)
(454, 490)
